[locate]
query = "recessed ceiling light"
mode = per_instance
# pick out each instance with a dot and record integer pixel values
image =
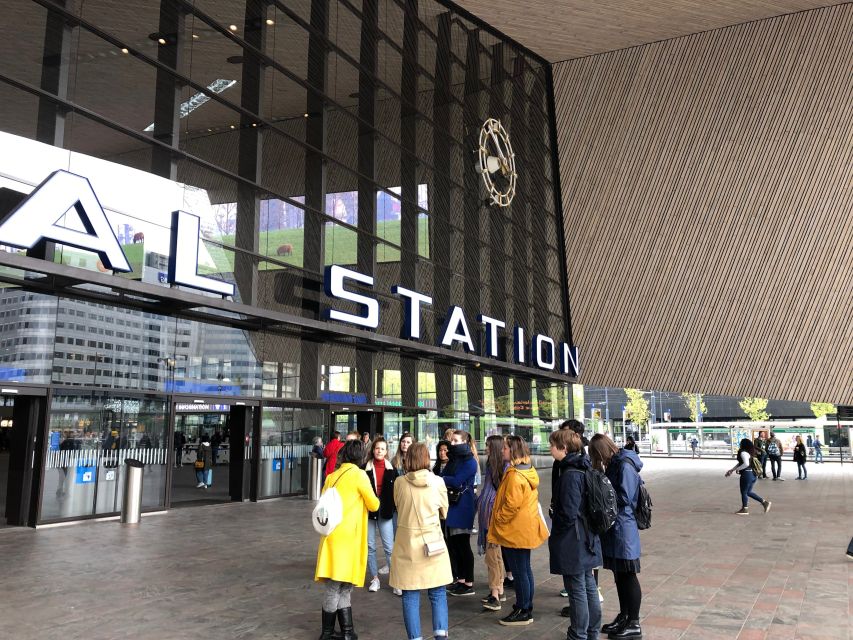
(124, 50)
(195, 36)
(233, 127)
(304, 115)
(233, 27)
(161, 40)
(254, 124)
(270, 21)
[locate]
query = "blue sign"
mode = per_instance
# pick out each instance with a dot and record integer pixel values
(86, 475)
(8, 373)
(276, 464)
(343, 397)
(54, 440)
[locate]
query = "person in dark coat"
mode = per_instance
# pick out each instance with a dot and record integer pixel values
(575, 551)
(204, 471)
(620, 545)
(800, 456)
(459, 477)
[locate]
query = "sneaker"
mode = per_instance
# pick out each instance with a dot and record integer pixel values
(509, 583)
(600, 597)
(199, 485)
(566, 612)
(385, 570)
(397, 592)
(766, 504)
(564, 593)
(742, 512)
(463, 590)
(518, 618)
(492, 603)
(374, 585)
(455, 586)
(781, 479)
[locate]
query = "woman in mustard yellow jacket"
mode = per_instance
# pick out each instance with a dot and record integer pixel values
(517, 525)
(342, 556)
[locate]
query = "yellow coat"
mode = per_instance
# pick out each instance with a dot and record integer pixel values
(516, 519)
(342, 555)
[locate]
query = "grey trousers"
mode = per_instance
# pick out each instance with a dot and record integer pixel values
(338, 596)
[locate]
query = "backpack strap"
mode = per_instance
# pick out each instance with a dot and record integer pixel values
(340, 476)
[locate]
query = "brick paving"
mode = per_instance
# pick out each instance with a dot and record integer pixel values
(244, 570)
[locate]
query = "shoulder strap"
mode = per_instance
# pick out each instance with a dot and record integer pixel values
(340, 476)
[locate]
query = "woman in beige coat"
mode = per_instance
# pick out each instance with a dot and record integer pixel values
(420, 559)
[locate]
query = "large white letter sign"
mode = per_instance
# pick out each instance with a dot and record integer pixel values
(492, 326)
(456, 330)
(570, 364)
(412, 313)
(548, 359)
(518, 345)
(35, 220)
(334, 286)
(183, 257)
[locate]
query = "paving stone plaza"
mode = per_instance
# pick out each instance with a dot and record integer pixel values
(245, 570)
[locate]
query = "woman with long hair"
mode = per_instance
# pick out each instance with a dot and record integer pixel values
(517, 524)
(459, 477)
(420, 558)
(495, 466)
(382, 476)
(342, 556)
(800, 459)
(620, 545)
(399, 459)
(441, 456)
(747, 477)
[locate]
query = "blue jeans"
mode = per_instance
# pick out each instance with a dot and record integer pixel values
(204, 476)
(386, 533)
(519, 563)
(584, 607)
(412, 612)
(818, 455)
(747, 480)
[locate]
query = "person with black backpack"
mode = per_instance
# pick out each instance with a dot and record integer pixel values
(620, 545)
(574, 548)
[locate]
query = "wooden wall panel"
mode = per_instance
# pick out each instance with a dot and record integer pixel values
(708, 197)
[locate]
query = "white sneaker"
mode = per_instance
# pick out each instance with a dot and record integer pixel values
(600, 597)
(374, 585)
(199, 485)
(385, 570)
(397, 592)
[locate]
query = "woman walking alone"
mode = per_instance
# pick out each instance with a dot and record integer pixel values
(747, 477)
(800, 456)
(459, 476)
(420, 558)
(342, 556)
(485, 502)
(382, 476)
(517, 525)
(620, 545)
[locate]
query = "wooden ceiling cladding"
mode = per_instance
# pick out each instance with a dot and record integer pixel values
(708, 197)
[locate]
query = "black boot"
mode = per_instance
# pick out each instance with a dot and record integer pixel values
(329, 625)
(617, 624)
(630, 630)
(345, 620)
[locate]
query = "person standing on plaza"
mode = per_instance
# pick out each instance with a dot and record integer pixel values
(517, 525)
(342, 555)
(631, 445)
(399, 459)
(760, 445)
(774, 452)
(420, 558)
(747, 477)
(330, 452)
(459, 477)
(620, 545)
(441, 457)
(818, 453)
(693, 444)
(575, 551)
(317, 448)
(495, 466)
(800, 457)
(204, 463)
(382, 476)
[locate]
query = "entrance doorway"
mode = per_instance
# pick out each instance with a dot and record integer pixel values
(21, 417)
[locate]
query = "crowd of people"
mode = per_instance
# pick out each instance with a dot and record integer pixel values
(426, 513)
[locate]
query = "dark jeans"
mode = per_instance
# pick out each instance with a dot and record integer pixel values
(776, 466)
(747, 481)
(764, 465)
(519, 564)
(630, 594)
(461, 556)
(801, 470)
(584, 606)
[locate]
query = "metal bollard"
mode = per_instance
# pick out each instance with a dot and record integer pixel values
(131, 504)
(315, 478)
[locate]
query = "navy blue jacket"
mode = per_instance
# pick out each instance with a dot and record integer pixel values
(573, 548)
(622, 541)
(459, 474)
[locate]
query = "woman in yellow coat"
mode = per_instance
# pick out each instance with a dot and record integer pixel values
(517, 525)
(342, 556)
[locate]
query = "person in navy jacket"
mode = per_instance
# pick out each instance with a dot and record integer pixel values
(620, 545)
(575, 551)
(459, 476)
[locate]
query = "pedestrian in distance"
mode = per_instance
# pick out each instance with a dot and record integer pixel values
(317, 448)
(517, 525)
(818, 453)
(747, 477)
(495, 466)
(800, 456)
(204, 463)
(574, 550)
(342, 555)
(382, 476)
(760, 444)
(693, 444)
(774, 453)
(365, 438)
(331, 451)
(420, 559)
(620, 545)
(631, 445)
(458, 476)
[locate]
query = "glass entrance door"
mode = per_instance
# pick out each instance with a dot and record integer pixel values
(287, 435)
(202, 433)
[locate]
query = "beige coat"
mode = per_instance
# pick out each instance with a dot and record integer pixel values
(421, 497)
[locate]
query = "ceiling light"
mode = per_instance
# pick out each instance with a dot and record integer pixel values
(124, 50)
(161, 40)
(217, 86)
(304, 115)
(195, 36)
(233, 27)
(270, 21)
(233, 127)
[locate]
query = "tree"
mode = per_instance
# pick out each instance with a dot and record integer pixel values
(638, 407)
(755, 408)
(822, 409)
(690, 402)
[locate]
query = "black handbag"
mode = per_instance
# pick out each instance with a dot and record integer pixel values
(454, 495)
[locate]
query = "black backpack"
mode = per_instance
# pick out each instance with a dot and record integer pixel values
(643, 511)
(600, 507)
